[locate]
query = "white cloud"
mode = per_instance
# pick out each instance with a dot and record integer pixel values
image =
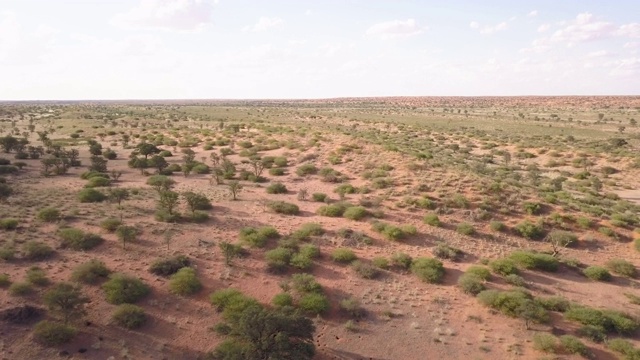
(544, 27)
(9, 32)
(585, 27)
(396, 29)
(533, 13)
(632, 45)
(629, 30)
(171, 15)
(264, 24)
(597, 54)
(489, 29)
(625, 67)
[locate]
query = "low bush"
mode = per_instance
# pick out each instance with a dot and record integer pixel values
(554, 303)
(608, 320)
(37, 276)
(352, 307)
(319, 197)
(428, 270)
(110, 224)
(465, 229)
(305, 283)
(314, 303)
(593, 333)
(515, 280)
(365, 270)
(76, 239)
(545, 342)
(282, 207)
(597, 273)
(129, 316)
(573, 345)
(401, 260)
(121, 288)
(306, 169)
(333, 210)
(343, 255)
(277, 188)
(52, 333)
(535, 261)
(91, 195)
(625, 348)
(497, 226)
(479, 271)
(355, 213)
(169, 266)
(301, 261)
(282, 300)
(471, 284)
(529, 230)
(380, 262)
(9, 224)
(90, 272)
(97, 181)
(36, 250)
(621, 267)
(446, 251)
(49, 215)
(185, 282)
(5, 281)
(432, 219)
(258, 237)
(278, 259)
(504, 267)
(20, 289)
(306, 231)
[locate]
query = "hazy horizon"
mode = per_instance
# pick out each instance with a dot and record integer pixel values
(137, 50)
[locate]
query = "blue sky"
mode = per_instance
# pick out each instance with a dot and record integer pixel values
(181, 49)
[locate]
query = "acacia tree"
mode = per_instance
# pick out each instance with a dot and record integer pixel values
(66, 300)
(126, 234)
(196, 201)
(168, 200)
(235, 187)
(158, 162)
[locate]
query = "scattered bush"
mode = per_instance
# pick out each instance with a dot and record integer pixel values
(49, 215)
(306, 169)
(471, 284)
(333, 210)
(4, 280)
(380, 262)
(497, 226)
(428, 269)
(365, 270)
(465, 229)
(36, 250)
(91, 196)
(401, 260)
(608, 320)
(319, 197)
(545, 342)
(53, 334)
(554, 303)
(121, 288)
(314, 303)
(355, 213)
(504, 267)
(352, 307)
(479, 271)
(76, 239)
(593, 333)
(90, 272)
(343, 255)
(20, 289)
(258, 237)
(110, 224)
(170, 266)
(282, 207)
(530, 230)
(278, 259)
(535, 261)
(277, 188)
(37, 276)
(9, 224)
(621, 267)
(597, 273)
(515, 280)
(185, 282)
(306, 231)
(432, 219)
(445, 251)
(282, 300)
(129, 316)
(96, 181)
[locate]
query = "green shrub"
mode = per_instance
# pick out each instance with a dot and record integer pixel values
(309, 250)
(36, 250)
(515, 280)
(535, 261)
(355, 213)
(163, 215)
(90, 272)
(170, 266)
(607, 231)
(380, 262)
(343, 255)
(121, 288)
(314, 303)
(333, 210)
(185, 282)
(352, 307)
(497, 226)
(97, 181)
(282, 300)
(306, 231)
(428, 270)
(530, 230)
(110, 224)
(401, 260)
(231, 301)
(258, 237)
(91, 196)
(52, 333)
(514, 303)
(562, 238)
(545, 342)
(277, 188)
(76, 239)
(465, 229)
(306, 169)
(129, 316)
(365, 270)
(597, 273)
(609, 321)
(625, 348)
(554, 303)
(305, 283)
(593, 333)
(301, 261)
(532, 208)
(432, 219)
(7, 252)
(479, 271)
(319, 197)
(282, 207)
(37, 276)
(5, 281)
(621, 267)
(20, 289)
(278, 259)
(446, 251)
(573, 345)
(8, 224)
(471, 284)
(504, 267)
(49, 215)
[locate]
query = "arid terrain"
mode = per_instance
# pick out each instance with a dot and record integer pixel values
(432, 228)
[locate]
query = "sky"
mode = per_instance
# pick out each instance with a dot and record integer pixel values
(285, 49)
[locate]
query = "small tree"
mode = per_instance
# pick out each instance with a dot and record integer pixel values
(66, 300)
(167, 237)
(161, 182)
(229, 251)
(188, 156)
(126, 234)
(5, 192)
(158, 162)
(196, 201)
(115, 175)
(235, 187)
(118, 195)
(98, 163)
(168, 200)
(258, 165)
(146, 149)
